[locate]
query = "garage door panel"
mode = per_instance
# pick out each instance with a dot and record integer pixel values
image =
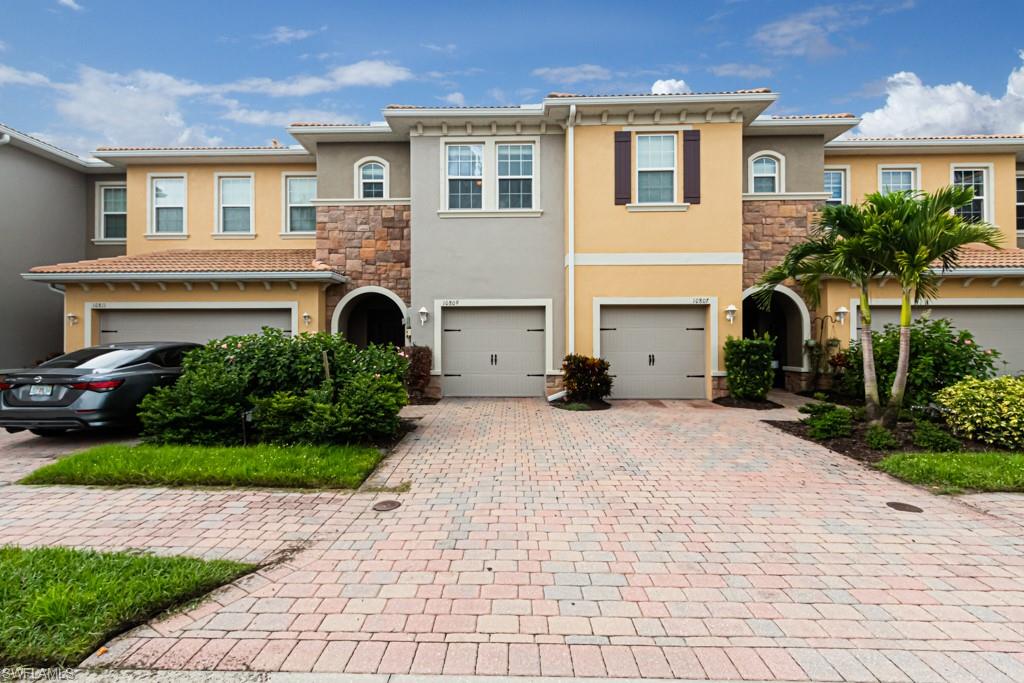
(994, 327)
(187, 325)
(497, 351)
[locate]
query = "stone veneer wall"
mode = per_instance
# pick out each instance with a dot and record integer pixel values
(370, 244)
(770, 228)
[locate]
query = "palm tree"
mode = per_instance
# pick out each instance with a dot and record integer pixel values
(915, 234)
(836, 248)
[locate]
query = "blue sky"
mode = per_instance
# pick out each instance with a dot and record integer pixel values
(83, 73)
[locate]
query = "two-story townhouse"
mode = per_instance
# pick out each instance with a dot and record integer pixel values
(54, 205)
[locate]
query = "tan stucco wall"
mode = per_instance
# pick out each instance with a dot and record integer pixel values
(336, 161)
(309, 296)
(803, 156)
(936, 173)
(268, 209)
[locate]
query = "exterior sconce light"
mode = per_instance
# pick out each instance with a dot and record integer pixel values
(307, 318)
(730, 313)
(424, 315)
(841, 314)
(72, 318)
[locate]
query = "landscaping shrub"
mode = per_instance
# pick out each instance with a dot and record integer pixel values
(748, 367)
(880, 439)
(931, 437)
(586, 378)
(986, 410)
(417, 377)
(817, 408)
(313, 381)
(940, 356)
(830, 424)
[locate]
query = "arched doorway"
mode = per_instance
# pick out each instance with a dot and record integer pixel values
(371, 315)
(788, 320)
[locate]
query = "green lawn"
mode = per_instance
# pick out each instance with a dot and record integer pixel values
(953, 472)
(58, 605)
(262, 465)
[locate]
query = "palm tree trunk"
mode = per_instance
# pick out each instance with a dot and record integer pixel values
(872, 407)
(899, 382)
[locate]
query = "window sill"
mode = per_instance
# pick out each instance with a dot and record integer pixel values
(166, 236)
(103, 240)
(234, 236)
(657, 207)
(297, 235)
(481, 213)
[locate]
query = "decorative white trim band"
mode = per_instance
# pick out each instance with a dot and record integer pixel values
(754, 196)
(685, 258)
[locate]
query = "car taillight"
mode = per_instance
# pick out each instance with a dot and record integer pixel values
(4, 386)
(103, 385)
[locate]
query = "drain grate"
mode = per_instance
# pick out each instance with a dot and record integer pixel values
(386, 505)
(904, 507)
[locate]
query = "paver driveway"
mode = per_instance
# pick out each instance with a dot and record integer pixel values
(654, 540)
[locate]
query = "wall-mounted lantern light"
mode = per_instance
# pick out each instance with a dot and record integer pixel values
(841, 314)
(307, 318)
(424, 315)
(730, 313)
(72, 318)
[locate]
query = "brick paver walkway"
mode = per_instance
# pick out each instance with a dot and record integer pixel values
(674, 539)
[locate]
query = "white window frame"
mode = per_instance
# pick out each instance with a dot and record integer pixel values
(987, 199)
(915, 169)
(100, 236)
(217, 208)
(674, 168)
(357, 179)
(151, 207)
(845, 170)
(286, 220)
(489, 191)
(780, 174)
(498, 177)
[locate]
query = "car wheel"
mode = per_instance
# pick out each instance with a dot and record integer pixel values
(49, 432)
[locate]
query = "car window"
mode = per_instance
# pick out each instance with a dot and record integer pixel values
(96, 358)
(168, 358)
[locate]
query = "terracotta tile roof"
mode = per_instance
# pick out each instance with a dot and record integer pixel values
(448, 106)
(917, 138)
(192, 149)
(1011, 257)
(301, 124)
(799, 117)
(749, 91)
(199, 261)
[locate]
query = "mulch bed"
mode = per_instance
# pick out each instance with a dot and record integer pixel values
(580, 406)
(732, 402)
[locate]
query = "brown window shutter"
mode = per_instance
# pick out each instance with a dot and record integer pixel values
(623, 168)
(691, 166)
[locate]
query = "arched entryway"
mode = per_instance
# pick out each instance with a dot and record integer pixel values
(371, 315)
(788, 320)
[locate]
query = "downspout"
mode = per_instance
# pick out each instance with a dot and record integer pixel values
(571, 255)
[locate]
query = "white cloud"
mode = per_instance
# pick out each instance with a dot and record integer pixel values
(669, 86)
(573, 74)
(282, 35)
(914, 108)
(447, 48)
(456, 99)
(373, 73)
(807, 33)
(70, 4)
(740, 70)
(11, 76)
(262, 117)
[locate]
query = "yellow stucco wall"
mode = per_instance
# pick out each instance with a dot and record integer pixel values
(309, 297)
(936, 172)
(268, 211)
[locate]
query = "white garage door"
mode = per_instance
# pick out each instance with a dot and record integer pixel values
(655, 351)
(493, 351)
(995, 327)
(188, 325)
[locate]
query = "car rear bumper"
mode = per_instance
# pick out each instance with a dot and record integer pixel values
(55, 418)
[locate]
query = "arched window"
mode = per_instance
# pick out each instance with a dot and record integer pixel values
(766, 173)
(371, 180)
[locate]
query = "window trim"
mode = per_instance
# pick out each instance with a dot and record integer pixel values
(916, 168)
(489, 191)
(357, 180)
(498, 177)
(286, 220)
(218, 229)
(989, 198)
(637, 170)
(845, 169)
(780, 175)
(151, 232)
(99, 236)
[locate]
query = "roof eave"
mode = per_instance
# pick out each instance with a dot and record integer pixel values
(55, 154)
(187, 276)
(829, 128)
(159, 156)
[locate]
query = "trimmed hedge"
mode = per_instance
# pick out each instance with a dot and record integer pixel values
(986, 410)
(748, 367)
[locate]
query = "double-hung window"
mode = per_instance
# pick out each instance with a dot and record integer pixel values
(465, 163)
(167, 199)
(234, 213)
(112, 212)
(371, 180)
(656, 169)
(974, 178)
(897, 180)
(300, 214)
(764, 174)
(835, 185)
(515, 176)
